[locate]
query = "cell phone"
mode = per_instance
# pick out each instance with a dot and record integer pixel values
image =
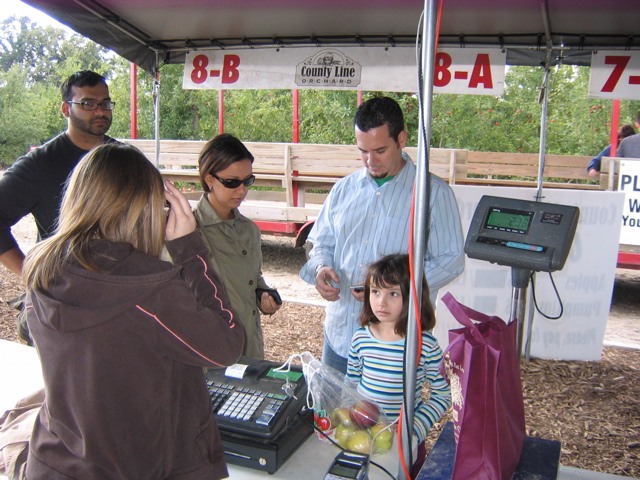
(271, 291)
(348, 466)
(357, 288)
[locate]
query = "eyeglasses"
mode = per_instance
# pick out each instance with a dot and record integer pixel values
(92, 106)
(234, 182)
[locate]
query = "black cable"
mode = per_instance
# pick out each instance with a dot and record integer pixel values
(555, 289)
(313, 425)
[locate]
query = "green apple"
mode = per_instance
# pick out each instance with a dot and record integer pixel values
(341, 416)
(382, 439)
(343, 433)
(360, 441)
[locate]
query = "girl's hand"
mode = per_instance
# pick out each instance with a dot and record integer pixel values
(180, 221)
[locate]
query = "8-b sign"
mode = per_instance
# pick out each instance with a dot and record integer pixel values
(615, 74)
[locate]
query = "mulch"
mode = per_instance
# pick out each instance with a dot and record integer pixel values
(590, 407)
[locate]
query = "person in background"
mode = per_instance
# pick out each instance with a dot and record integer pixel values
(34, 183)
(225, 167)
(122, 335)
(366, 216)
(376, 357)
(594, 165)
(630, 146)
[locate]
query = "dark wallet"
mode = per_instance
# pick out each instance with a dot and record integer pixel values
(271, 291)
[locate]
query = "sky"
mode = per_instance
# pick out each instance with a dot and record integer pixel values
(16, 7)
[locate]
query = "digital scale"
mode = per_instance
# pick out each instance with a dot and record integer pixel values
(524, 235)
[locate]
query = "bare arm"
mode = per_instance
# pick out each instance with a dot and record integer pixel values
(13, 260)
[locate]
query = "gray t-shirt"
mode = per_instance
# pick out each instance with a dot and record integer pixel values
(630, 147)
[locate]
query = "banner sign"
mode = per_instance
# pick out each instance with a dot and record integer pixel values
(615, 74)
(584, 285)
(463, 70)
(629, 183)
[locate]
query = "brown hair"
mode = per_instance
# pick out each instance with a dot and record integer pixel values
(393, 270)
(114, 193)
(218, 154)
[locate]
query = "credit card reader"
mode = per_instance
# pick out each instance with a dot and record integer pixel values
(348, 466)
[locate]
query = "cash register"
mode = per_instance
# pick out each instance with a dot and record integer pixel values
(261, 412)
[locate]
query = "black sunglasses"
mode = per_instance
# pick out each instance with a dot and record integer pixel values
(234, 182)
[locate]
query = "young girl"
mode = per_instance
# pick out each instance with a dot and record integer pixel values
(233, 240)
(377, 348)
(122, 335)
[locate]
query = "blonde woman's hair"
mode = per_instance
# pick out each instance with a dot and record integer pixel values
(114, 193)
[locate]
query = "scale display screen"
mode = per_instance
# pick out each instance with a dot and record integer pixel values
(519, 233)
(508, 220)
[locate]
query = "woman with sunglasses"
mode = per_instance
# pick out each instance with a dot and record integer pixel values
(235, 249)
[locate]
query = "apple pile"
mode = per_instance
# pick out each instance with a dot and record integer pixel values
(361, 428)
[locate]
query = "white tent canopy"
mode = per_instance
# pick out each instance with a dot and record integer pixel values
(152, 32)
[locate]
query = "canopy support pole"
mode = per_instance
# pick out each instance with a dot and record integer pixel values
(156, 110)
(420, 224)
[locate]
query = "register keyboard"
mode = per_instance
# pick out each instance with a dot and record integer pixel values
(260, 404)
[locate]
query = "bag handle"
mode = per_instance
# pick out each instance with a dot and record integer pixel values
(465, 315)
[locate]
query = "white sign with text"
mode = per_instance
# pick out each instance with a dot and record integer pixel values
(584, 285)
(615, 74)
(468, 70)
(629, 183)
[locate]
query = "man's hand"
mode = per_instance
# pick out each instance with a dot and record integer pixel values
(324, 277)
(359, 296)
(181, 221)
(593, 172)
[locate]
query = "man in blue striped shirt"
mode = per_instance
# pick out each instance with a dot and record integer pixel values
(366, 216)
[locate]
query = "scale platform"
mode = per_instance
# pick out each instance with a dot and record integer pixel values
(540, 459)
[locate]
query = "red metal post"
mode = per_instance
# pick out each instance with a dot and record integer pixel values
(296, 116)
(220, 111)
(295, 98)
(133, 96)
(615, 120)
(359, 97)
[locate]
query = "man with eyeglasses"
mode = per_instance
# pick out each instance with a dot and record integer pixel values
(34, 183)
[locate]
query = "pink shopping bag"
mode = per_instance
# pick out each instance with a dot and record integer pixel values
(482, 366)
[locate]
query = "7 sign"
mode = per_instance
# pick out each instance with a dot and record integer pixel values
(615, 75)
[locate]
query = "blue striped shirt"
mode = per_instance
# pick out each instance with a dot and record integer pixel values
(377, 367)
(360, 222)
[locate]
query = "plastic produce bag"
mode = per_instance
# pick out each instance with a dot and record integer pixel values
(341, 412)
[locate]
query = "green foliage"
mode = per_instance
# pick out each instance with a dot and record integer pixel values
(34, 61)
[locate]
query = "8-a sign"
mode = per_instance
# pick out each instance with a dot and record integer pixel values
(470, 71)
(615, 74)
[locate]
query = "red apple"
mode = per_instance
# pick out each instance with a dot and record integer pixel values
(364, 413)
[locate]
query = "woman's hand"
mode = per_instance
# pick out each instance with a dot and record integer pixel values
(268, 305)
(180, 221)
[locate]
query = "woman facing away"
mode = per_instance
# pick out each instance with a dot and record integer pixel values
(122, 335)
(233, 240)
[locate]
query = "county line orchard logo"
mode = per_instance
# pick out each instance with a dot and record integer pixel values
(328, 68)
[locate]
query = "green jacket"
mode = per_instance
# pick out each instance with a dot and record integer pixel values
(235, 251)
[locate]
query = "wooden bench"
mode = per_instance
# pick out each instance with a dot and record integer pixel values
(304, 172)
(522, 170)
